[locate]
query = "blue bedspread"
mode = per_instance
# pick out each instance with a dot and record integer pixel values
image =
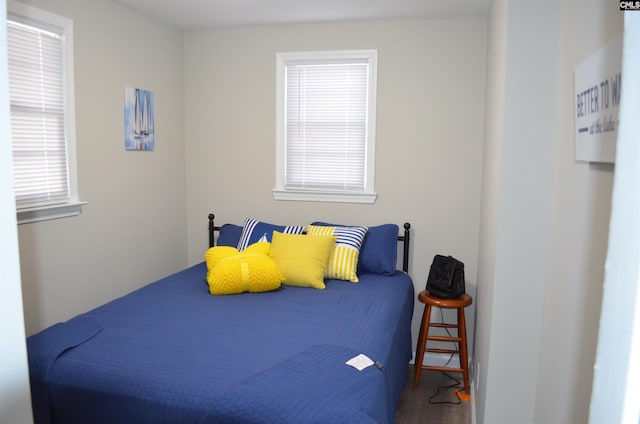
(172, 353)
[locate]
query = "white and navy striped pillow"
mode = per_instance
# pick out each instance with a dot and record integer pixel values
(254, 230)
(343, 262)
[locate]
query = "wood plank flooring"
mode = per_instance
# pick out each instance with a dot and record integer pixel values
(415, 407)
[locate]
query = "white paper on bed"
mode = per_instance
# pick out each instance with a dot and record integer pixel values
(360, 362)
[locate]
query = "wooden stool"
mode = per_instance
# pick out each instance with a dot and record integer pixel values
(458, 303)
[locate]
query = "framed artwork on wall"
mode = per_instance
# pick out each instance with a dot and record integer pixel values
(138, 119)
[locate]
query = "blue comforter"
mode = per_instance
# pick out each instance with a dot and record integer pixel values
(172, 353)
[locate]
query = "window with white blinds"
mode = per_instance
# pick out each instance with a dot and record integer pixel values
(326, 126)
(41, 98)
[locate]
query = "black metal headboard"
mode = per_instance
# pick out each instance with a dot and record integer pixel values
(405, 238)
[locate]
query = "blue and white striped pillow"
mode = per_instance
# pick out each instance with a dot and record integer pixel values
(254, 230)
(343, 262)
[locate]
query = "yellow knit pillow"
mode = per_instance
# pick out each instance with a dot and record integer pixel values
(302, 259)
(231, 272)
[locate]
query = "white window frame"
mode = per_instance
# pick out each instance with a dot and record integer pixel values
(73, 206)
(281, 192)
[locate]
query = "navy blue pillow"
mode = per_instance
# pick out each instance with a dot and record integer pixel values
(379, 251)
(253, 230)
(229, 235)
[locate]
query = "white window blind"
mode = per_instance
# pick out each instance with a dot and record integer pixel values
(326, 128)
(326, 119)
(36, 66)
(41, 94)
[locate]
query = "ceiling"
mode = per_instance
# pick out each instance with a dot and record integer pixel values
(209, 14)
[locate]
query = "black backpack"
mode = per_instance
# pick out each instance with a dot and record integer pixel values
(446, 277)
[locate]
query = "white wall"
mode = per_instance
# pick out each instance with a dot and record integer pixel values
(578, 233)
(517, 209)
(15, 400)
(491, 173)
(429, 132)
(616, 385)
(544, 217)
(133, 230)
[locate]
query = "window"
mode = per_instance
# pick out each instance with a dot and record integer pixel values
(326, 109)
(40, 56)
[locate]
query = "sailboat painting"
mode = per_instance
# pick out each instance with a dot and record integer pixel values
(138, 119)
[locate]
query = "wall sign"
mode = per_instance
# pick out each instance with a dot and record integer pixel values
(597, 94)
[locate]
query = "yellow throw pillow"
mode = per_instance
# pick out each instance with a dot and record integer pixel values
(343, 262)
(231, 272)
(215, 254)
(302, 259)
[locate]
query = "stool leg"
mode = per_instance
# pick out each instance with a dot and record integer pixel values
(422, 341)
(462, 333)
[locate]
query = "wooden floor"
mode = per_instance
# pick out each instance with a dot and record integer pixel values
(415, 407)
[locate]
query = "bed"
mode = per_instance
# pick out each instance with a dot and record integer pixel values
(171, 352)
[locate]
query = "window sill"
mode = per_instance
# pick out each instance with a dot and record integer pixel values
(45, 213)
(324, 196)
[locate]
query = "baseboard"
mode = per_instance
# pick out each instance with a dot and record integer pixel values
(473, 402)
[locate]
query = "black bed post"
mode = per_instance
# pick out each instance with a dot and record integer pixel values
(405, 256)
(211, 228)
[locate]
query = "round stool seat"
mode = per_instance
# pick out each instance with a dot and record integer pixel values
(457, 302)
(460, 339)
